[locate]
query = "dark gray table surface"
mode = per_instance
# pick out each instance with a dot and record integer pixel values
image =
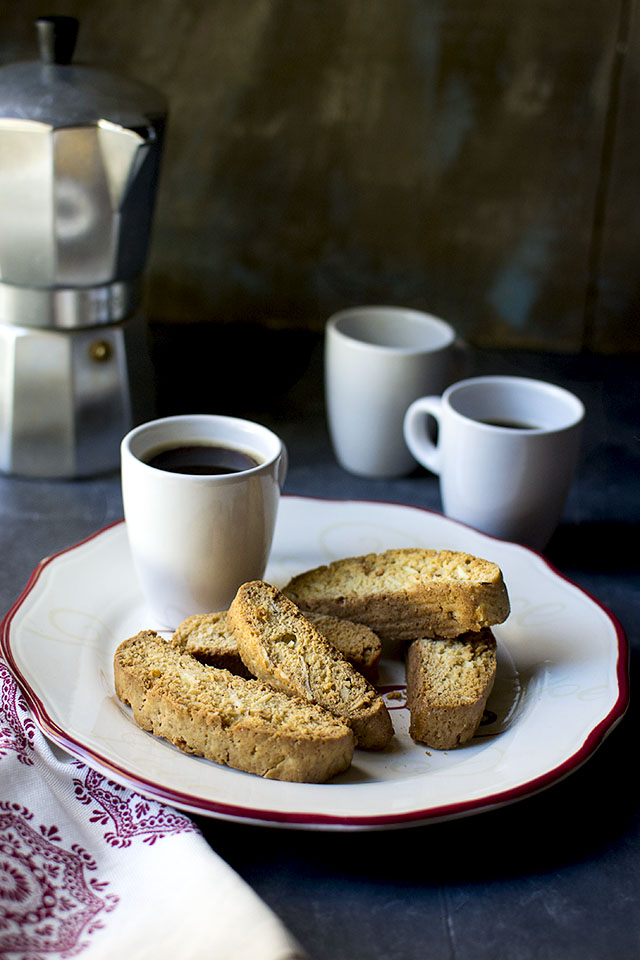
(556, 875)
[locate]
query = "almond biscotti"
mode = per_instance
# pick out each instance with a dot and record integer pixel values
(210, 639)
(281, 647)
(448, 683)
(214, 714)
(407, 593)
(356, 642)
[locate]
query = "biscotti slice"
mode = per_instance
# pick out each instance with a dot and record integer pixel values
(407, 593)
(210, 639)
(356, 642)
(242, 723)
(279, 645)
(448, 683)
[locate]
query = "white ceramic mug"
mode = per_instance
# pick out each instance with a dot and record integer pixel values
(195, 538)
(506, 451)
(377, 361)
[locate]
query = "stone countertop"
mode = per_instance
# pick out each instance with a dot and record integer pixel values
(554, 875)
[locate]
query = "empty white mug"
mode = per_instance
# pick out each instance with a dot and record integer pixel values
(377, 361)
(506, 451)
(196, 536)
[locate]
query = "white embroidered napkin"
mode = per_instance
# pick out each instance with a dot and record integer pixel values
(90, 867)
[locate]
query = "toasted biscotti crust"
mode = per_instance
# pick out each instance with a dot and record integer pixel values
(241, 723)
(448, 683)
(280, 646)
(407, 593)
(209, 638)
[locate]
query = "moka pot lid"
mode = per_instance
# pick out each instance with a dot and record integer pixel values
(55, 92)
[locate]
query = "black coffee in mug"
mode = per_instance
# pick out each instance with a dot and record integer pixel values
(205, 459)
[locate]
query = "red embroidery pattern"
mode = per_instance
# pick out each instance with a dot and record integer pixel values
(49, 901)
(16, 733)
(47, 904)
(132, 816)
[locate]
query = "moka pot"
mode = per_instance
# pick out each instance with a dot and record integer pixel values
(79, 159)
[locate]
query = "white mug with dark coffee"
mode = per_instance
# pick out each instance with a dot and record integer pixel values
(200, 495)
(506, 452)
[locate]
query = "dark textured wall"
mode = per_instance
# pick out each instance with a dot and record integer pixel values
(479, 160)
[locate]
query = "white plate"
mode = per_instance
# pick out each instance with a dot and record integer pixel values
(561, 684)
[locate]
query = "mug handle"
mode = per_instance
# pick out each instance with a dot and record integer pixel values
(417, 439)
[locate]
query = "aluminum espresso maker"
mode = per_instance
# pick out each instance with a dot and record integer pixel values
(79, 158)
